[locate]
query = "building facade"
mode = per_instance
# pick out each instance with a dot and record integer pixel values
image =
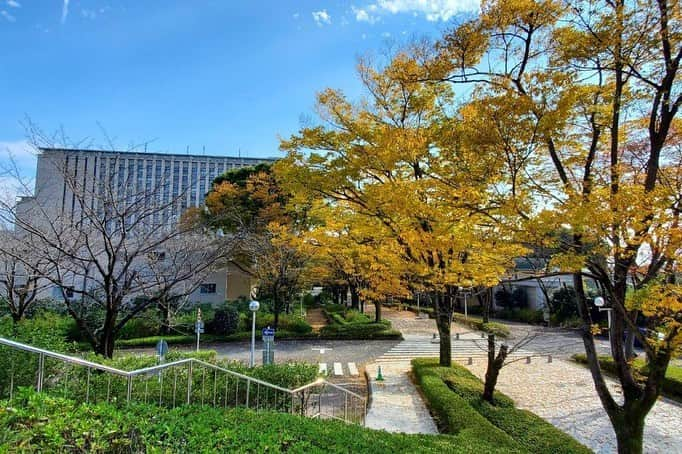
(175, 182)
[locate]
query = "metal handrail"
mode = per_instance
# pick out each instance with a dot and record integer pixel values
(322, 381)
(130, 375)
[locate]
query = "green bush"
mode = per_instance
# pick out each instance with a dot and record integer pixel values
(40, 423)
(477, 323)
(353, 316)
(454, 394)
(530, 316)
(359, 331)
(225, 321)
(145, 324)
(19, 368)
(671, 386)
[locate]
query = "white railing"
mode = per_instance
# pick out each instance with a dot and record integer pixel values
(186, 381)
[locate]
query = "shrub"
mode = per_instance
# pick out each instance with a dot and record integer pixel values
(40, 423)
(454, 394)
(671, 386)
(145, 324)
(47, 331)
(359, 331)
(564, 304)
(225, 321)
(476, 323)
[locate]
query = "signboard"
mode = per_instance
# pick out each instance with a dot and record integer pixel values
(162, 348)
(268, 331)
(199, 327)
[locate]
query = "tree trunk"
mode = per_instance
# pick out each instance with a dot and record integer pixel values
(377, 312)
(276, 308)
(494, 366)
(354, 298)
(630, 432)
(443, 315)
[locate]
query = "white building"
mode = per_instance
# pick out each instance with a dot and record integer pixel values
(180, 181)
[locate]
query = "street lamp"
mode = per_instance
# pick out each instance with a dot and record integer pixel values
(253, 307)
(599, 302)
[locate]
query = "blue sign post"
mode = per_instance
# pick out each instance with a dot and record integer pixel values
(269, 343)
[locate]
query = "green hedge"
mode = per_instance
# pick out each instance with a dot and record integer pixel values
(359, 331)
(497, 329)
(671, 386)
(454, 394)
(39, 423)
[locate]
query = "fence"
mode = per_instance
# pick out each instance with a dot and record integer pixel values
(183, 382)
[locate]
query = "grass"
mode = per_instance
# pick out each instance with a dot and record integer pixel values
(39, 423)
(671, 386)
(454, 395)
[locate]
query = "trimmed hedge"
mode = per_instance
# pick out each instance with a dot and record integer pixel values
(497, 329)
(454, 394)
(39, 423)
(671, 386)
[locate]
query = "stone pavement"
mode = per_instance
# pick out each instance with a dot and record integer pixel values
(395, 404)
(563, 393)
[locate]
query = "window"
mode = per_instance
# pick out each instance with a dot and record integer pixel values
(157, 256)
(207, 288)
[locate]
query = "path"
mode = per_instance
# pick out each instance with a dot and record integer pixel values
(316, 318)
(561, 392)
(395, 404)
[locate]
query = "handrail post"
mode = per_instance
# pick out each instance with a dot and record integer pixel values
(41, 372)
(129, 392)
(248, 387)
(189, 383)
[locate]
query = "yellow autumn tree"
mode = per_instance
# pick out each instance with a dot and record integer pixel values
(397, 160)
(581, 99)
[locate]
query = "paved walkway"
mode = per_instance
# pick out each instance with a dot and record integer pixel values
(396, 405)
(563, 393)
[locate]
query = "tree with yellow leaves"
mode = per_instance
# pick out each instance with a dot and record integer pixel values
(581, 98)
(397, 161)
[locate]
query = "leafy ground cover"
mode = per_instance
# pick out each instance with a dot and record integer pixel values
(40, 423)
(454, 395)
(671, 384)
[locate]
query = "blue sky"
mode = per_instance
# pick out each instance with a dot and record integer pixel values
(225, 75)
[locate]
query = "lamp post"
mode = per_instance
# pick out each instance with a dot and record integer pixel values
(253, 307)
(599, 302)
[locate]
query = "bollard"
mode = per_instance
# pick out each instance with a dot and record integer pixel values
(457, 336)
(527, 359)
(482, 335)
(549, 358)
(470, 361)
(434, 335)
(380, 377)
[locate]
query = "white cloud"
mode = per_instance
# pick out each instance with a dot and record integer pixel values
(65, 10)
(432, 10)
(322, 17)
(363, 14)
(13, 4)
(7, 16)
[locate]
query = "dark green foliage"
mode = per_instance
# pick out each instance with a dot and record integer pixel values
(671, 385)
(225, 321)
(529, 316)
(564, 304)
(454, 394)
(351, 324)
(46, 424)
(46, 331)
(477, 323)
